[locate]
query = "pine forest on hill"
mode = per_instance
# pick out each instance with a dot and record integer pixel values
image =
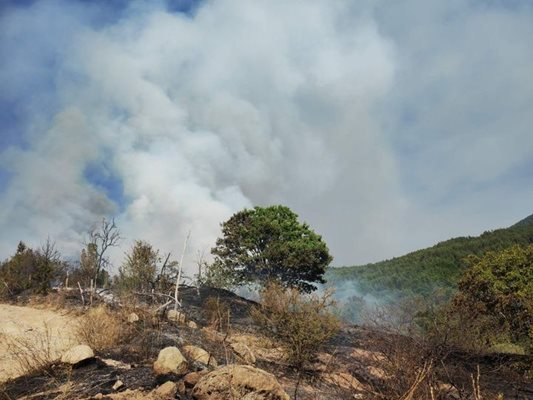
(421, 272)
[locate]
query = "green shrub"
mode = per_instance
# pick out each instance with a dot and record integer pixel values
(499, 287)
(492, 308)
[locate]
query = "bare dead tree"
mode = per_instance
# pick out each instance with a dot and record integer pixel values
(200, 263)
(102, 238)
(163, 278)
(49, 252)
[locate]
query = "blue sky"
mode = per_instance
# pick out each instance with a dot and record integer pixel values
(386, 126)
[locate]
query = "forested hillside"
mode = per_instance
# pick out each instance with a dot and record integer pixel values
(437, 267)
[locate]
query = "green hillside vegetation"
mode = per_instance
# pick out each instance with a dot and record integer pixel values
(525, 221)
(492, 309)
(421, 272)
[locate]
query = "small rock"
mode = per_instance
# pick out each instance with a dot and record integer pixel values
(118, 384)
(167, 390)
(170, 361)
(115, 364)
(377, 372)
(132, 318)
(244, 352)
(77, 354)
(239, 382)
(181, 387)
(192, 378)
(98, 396)
(344, 380)
(197, 354)
(176, 316)
(192, 325)
(212, 335)
(130, 394)
(448, 390)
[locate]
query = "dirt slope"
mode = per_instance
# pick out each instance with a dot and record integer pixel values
(49, 332)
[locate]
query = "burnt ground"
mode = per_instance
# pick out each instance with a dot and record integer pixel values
(88, 379)
(506, 374)
(193, 300)
(357, 351)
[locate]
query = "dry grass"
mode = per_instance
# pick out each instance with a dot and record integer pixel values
(218, 314)
(107, 330)
(101, 328)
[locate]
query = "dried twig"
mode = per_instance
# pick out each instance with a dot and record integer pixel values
(420, 377)
(475, 385)
(180, 268)
(81, 294)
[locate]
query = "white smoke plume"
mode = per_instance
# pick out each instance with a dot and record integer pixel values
(196, 117)
(387, 127)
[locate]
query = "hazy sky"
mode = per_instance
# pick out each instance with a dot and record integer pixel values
(386, 125)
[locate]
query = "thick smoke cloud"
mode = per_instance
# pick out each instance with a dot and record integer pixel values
(197, 117)
(171, 122)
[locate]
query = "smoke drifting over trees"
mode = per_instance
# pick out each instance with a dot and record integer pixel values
(173, 121)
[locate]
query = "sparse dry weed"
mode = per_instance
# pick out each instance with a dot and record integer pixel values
(218, 314)
(419, 367)
(31, 353)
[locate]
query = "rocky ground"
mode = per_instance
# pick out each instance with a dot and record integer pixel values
(181, 355)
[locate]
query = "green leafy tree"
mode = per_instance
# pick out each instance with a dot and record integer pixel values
(48, 267)
(261, 245)
(139, 268)
(30, 270)
(17, 273)
(88, 261)
(499, 287)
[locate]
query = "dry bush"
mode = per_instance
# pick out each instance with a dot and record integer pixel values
(106, 330)
(420, 364)
(102, 328)
(408, 365)
(301, 323)
(412, 369)
(218, 314)
(57, 300)
(407, 369)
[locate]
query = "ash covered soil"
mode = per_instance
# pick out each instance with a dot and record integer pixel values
(352, 365)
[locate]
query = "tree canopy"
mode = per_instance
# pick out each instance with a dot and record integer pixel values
(30, 270)
(266, 244)
(500, 285)
(144, 269)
